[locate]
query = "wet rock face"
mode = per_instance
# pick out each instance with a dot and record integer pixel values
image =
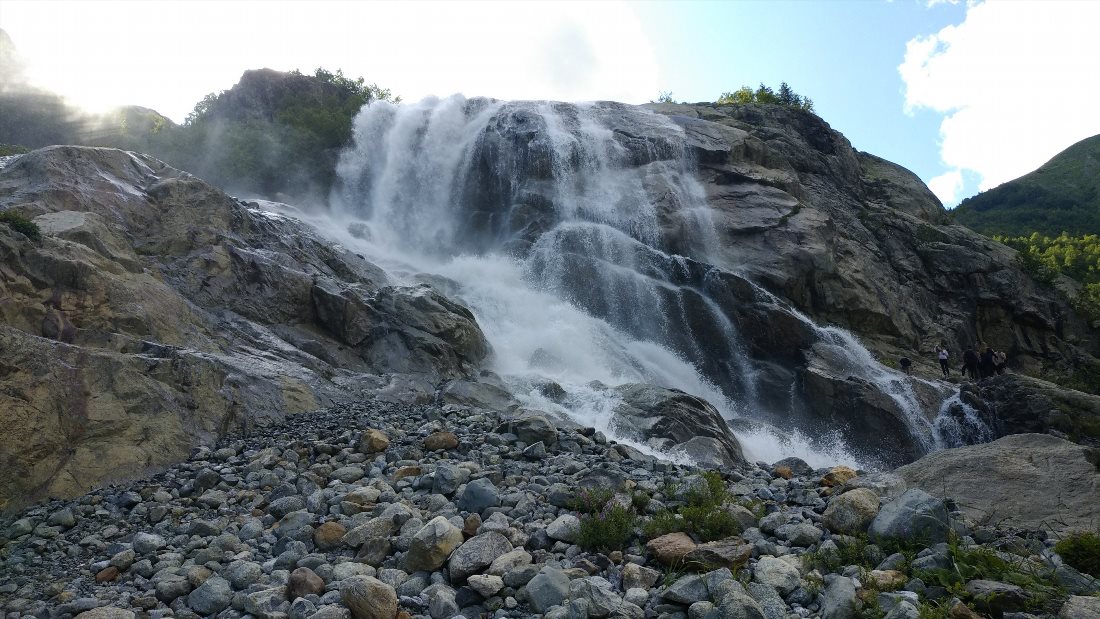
(1020, 404)
(669, 419)
(854, 240)
(844, 237)
(157, 312)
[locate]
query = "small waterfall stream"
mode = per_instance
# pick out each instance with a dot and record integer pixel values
(581, 240)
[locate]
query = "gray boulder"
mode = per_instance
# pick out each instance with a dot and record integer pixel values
(696, 588)
(1080, 607)
(432, 545)
(997, 598)
(670, 419)
(915, 516)
(548, 588)
(368, 598)
(852, 512)
(565, 527)
(211, 597)
(597, 592)
(777, 573)
(479, 495)
(840, 600)
(477, 554)
(1028, 480)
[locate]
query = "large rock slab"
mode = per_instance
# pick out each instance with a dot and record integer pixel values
(1030, 480)
(676, 421)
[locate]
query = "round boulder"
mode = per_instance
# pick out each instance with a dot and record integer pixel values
(369, 598)
(852, 512)
(915, 516)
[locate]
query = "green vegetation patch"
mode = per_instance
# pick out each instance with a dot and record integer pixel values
(1078, 257)
(608, 529)
(1081, 551)
(784, 95)
(703, 514)
(1061, 196)
(21, 224)
(12, 149)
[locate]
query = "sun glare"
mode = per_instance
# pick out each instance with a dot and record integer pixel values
(168, 55)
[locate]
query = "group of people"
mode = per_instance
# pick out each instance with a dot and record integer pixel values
(976, 365)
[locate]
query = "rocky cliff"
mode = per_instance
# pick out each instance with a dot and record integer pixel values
(157, 313)
(857, 241)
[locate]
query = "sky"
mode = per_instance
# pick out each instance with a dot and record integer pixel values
(967, 95)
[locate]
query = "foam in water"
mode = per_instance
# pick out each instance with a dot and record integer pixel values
(959, 424)
(594, 295)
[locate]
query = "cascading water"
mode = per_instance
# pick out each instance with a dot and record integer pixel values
(959, 423)
(581, 240)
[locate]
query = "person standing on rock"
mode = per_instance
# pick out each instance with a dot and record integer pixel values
(905, 364)
(988, 366)
(999, 361)
(970, 363)
(941, 354)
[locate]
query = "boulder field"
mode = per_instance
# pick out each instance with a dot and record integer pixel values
(381, 510)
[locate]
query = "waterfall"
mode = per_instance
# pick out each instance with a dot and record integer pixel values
(581, 240)
(958, 424)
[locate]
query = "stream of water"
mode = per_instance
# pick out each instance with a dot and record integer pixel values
(552, 221)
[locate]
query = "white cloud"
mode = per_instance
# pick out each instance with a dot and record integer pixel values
(168, 54)
(947, 186)
(1017, 83)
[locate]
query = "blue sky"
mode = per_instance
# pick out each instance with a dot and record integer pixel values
(966, 94)
(844, 55)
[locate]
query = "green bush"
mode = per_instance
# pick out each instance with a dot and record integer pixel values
(590, 500)
(12, 149)
(703, 515)
(784, 95)
(1082, 552)
(21, 224)
(608, 529)
(662, 523)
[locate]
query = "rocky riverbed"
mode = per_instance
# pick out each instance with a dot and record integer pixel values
(380, 510)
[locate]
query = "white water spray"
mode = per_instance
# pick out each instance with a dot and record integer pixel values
(555, 234)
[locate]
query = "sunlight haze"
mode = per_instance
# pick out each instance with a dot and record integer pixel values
(937, 87)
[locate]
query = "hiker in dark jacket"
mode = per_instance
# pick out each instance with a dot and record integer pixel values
(906, 363)
(970, 363)
(988, 366)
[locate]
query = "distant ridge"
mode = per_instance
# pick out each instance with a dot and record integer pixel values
(1061, 196)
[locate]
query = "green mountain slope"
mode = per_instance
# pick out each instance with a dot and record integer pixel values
(1061, 196)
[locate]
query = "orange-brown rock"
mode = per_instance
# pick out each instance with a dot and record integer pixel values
(407, 471)
(107, 574)
(328, 535)
(373, 441)
(837, 476)
(671, 549)
(441, 440)
(888, 580)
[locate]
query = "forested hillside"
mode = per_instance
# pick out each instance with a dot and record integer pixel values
(1061, 196)
(274, 134)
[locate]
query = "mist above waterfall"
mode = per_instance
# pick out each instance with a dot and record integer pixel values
(581, 240)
